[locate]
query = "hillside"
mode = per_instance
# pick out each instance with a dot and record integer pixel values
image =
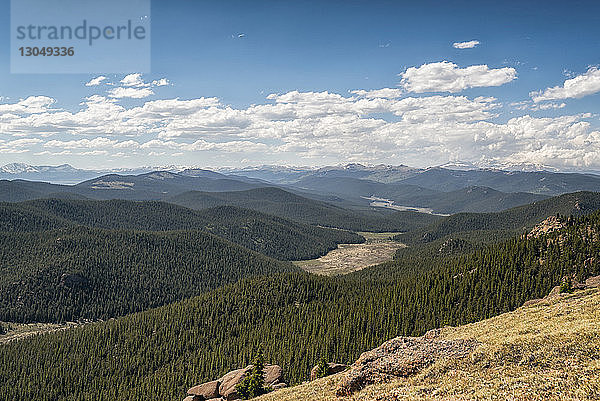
(545, 351)
(156, 185)
(272, 236)
(467, 199)
(287, 205)
(84, 273)
(508, 222)
(538, 182)
(160, 353)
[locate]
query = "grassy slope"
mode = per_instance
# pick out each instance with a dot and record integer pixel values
(546, 351)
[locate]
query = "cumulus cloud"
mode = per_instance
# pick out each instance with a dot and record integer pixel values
(384, 93)
(381, 126)
(132, 93)
(134, 80)
(96, 81)
(574, 88)
(161, 82)
(465, 45)
(30, 105)
(448, 77)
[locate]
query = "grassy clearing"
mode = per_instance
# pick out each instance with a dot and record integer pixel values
(18, 331)
(546, 351)
(378, 248)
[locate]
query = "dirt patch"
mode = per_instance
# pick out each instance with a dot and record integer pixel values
(347, 258)
(19, 331)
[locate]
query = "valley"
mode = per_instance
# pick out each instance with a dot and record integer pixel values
(347, 258)
(182, 276)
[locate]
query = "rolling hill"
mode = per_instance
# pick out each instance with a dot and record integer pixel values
(467, 199)
(149, 186)
(85, 273)
(270, 235)
(510, 221)
(288, 205)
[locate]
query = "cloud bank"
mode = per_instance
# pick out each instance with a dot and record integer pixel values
(386, 125)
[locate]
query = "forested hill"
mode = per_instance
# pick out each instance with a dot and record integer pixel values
(508, 222)
(158, 354)
(84, 273)
(285, 204)
(270, 235)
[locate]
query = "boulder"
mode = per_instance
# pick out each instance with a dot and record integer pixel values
(207, 391)
(333, 369)
(273, 375)
(230, 380)
(401, 357)
(593, 282)
(278, 386)
(193, 398)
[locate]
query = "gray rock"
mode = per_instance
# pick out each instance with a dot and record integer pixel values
(230, 380)
(401, 357)
(208, 390)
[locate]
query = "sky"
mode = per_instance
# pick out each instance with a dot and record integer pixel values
(312, 83)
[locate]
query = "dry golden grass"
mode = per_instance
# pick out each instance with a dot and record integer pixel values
(378, 248)
(546, 351)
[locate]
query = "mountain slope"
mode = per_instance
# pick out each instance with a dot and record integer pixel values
(539, 182)
(287, 205)
(159, 354)
(547, 351)
(468, 199)
(512, 220)
(84, 273)
(272, 236)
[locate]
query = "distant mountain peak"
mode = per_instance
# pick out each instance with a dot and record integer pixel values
(17, 168)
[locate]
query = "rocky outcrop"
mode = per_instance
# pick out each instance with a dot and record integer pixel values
(547, 226)
(206, 391)
(401, 357)
(224, 388)
(333, 368)
(591, 282)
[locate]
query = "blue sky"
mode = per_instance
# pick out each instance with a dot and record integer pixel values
(237, 53)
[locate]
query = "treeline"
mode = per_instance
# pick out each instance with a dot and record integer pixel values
(273, 236)
(84, 273)
(297, 318)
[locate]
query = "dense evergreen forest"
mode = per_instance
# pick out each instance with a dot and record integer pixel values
(273, 236)
(158, 354)
(489, 227)
(84, 273)
(285, 204)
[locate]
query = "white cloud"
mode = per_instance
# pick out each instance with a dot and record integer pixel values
(378, 126)
(96, 81)
(384, 93)
(30, 105)
(574, 88)
(448, 77)
(134, 80)
(465, 45)
(132, 93)
(161, 82)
